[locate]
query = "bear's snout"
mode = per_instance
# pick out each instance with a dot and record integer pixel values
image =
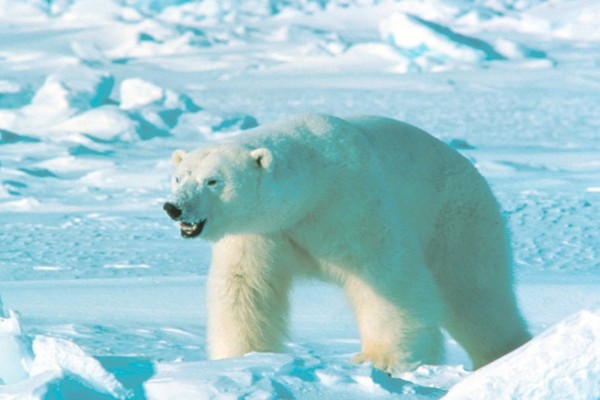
(172, 210)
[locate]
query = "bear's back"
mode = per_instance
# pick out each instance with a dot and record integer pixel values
(422, 173)
(399, 144)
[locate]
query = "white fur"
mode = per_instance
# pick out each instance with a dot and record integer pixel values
(405, 225)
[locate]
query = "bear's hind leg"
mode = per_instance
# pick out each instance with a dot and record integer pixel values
(487, 324)
(248, 288)
(398, 325)
(470, 260)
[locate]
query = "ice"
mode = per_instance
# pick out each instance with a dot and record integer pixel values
(15, 355)
(95, 95)
(8, 137)
(513, 50)
(460, 144)
(67, 92)
(71, 166)
(5, 191)
(235, 123)
(126, 266)
(86, 87)
(47, 268)
(53, 354)
(104, 123)
(425, 48)
(62, 96)
(278, 376)
(12, 95)
(49, 105)
(432, 46)
(40, 365)
(577, 20)
(24, 204)
(136, 93)
(561, 363)
(155, 5)
(153, 109)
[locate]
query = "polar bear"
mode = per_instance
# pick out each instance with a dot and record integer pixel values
(404, 224)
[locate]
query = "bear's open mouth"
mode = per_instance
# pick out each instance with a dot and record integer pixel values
(191, 230)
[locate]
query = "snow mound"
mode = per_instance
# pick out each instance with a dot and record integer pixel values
(561, 363)
(432, 46)
(136, 92)
(156, 110)
(213, 127)
(80, 113)
(107, 123)
(64, 94)
(68, 91)
(42, 367)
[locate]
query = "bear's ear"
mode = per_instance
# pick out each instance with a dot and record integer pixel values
(263, 157)
(177, 156)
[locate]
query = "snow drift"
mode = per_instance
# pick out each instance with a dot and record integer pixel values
(561, 363)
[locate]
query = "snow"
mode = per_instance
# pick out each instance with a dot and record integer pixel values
(137, 92)
(30, 367)
(15, 357)
(428, 45)
(535, 371)
(95, 95)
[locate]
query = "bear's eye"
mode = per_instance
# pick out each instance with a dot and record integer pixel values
(211, 182)
(177, 179)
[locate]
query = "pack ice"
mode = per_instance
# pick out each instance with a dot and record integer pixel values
(43, 366)
(95, 95)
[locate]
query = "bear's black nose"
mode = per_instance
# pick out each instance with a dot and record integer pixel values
(172, 210)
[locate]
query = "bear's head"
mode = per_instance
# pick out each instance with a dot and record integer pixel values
(220, 190)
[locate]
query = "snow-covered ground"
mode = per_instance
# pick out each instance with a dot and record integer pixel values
(94, 96)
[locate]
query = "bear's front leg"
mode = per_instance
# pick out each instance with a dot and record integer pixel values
(248, 287)
(398, 321)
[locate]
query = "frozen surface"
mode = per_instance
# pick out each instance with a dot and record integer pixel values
(570, 371)
(47, 366)
(95, 95)
(149, 334)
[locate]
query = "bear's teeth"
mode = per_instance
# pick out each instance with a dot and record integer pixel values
(191, 230)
